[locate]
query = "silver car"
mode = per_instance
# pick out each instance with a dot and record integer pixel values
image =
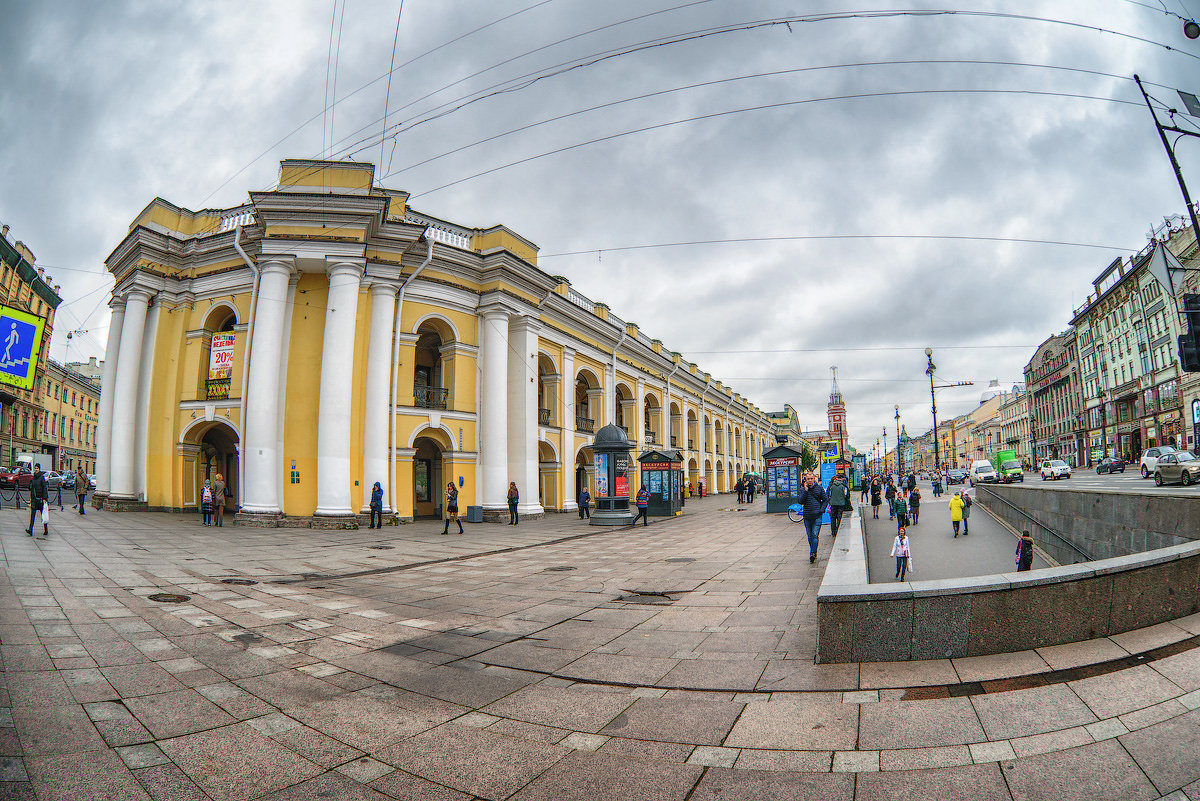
(1181, 466)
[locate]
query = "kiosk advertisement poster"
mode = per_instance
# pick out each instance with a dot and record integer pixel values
(21, 344)
(602, 475)
(656, 483)
(220, 366)
(783, 479)
(620, 468)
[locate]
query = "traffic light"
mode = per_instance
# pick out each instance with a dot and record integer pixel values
(1189, 343)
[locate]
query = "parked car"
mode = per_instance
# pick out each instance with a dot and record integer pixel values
(1055, 469)
(955, 476)
(19, 476)
(1110, 464)
(1150, 459)
(68, 481)
(92, 481)
(1180, 466)
(982, 472)
(53, 480)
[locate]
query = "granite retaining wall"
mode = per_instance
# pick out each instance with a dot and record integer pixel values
(981, 615)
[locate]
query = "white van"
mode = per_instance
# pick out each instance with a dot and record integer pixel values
(982, 472)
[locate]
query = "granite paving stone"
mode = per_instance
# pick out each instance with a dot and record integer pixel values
(1100, 770)
(96, 776)
(765, 785)
(237, 763)
(796, 723)
(1154, 749)
(50, 730)
(677, 720)
(1019, 713)
(584, 776)
(328, 786)
(143, 679)
(576, 709)
(174, 713)
(406, 787)
(918, 724)
(315, 746)
(471, 760)
(977, 782)
(361, 721)
(167, 782)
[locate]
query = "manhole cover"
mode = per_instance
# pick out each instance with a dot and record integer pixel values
(243, 582)
(381, 547)
(169, 598)
(558, 569)
(681, 559)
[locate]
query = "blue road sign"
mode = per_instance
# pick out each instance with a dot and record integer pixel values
(20, 345)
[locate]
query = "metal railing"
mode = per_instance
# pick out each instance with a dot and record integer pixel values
(585, 425)
(430, 397)
(544, 417)
(691, 444)
(1085, 557)
(650, 435)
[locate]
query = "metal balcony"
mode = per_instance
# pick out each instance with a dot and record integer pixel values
(544, 417)
(430, 397)
(585, 425)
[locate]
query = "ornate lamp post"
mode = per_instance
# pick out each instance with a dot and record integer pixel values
(885, 467)
(899, 467)
(933, 402)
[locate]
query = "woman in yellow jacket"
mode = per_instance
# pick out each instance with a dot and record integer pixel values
(956, 511)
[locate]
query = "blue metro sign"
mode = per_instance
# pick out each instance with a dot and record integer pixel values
(20, 345)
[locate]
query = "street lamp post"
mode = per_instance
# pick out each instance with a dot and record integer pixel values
(933, 403)
(899, 467)
(884, 459)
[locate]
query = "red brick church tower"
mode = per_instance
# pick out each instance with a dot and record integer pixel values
(836, 411)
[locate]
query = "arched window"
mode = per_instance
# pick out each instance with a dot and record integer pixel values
(220, 340)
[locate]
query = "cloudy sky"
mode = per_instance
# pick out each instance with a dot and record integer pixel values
(770, 188)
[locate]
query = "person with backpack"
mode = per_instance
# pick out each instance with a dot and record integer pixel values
(967, 502)
(513, 497)
(839, 501)
(1025, 552)
(889, 493)
(642, 501)
(914, 504)
(206, 503)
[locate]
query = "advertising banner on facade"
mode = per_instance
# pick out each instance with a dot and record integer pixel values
(220, 365)
(20, 346)
(601, 460)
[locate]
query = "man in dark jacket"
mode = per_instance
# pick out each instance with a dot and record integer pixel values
(814, 499)
(39, 497)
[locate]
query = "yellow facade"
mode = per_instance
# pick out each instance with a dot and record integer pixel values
(406, 370)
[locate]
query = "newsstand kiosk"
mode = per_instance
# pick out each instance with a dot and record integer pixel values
(662, 474)
(783, 477)
(610, 449)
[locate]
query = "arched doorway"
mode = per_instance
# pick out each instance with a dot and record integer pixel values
(584, 468)
(427, 480)
(548, 477)
(215, 448)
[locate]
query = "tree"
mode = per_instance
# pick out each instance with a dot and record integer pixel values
(808, 457)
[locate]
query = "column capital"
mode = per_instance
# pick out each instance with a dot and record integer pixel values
(383, 289)
(495, 313)
(524, 323)
(340, 268)
(274, 264)
(138, 293)
(117, 304)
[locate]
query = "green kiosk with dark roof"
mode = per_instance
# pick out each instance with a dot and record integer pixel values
(662, 474)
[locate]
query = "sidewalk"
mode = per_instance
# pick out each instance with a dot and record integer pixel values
(665, 662)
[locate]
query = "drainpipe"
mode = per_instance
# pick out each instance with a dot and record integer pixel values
(396, 367)
(237, 240)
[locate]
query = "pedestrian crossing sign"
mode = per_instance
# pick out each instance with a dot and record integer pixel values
(20, 346)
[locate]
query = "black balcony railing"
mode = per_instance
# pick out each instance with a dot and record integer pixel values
(216, 388)
(543, 417)
(673, 442)
(430, 397)
(650, 435)
(585, 425)
(691, 444)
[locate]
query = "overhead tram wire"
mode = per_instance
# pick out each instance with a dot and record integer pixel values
(764, 107)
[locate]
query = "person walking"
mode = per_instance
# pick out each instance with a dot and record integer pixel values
(513, 497)
(876, 498)
(937, 483)
(218, 492)
(206, 503)
(585, 504)
(900, 511)
(740, 488)
(864, 490)
(956, 511)
(452, 507)
(910, 484)
(751, 485)
(914, 504)
(814, 500)
(39, 501)
(967, 502)
(1025, 551)
(839, 501)
(81, 488)
(889, 494)
(903, 553)
(642, 501)
(376, 506)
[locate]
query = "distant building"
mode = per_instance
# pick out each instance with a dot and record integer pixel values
(92, 369)
(70, 412)
(1014, 424)
(1055, 401)
(26, 287)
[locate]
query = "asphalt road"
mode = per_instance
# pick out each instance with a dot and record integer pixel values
(1129, 481)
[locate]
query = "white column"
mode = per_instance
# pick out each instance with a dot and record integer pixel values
(493, 394)
(523, 411)
(379, 373)
(104, 429)
(567, 383)
(261, 450)
(142, 424)
(129, 362)
(333, 405)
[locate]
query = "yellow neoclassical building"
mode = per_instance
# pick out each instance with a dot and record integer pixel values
(325, 336)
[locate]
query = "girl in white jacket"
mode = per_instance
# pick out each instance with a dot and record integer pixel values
(902, 552)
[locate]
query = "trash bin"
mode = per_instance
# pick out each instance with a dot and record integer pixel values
(474, 514)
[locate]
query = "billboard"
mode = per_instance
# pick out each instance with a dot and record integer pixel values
(20, 346)
(220, 365)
